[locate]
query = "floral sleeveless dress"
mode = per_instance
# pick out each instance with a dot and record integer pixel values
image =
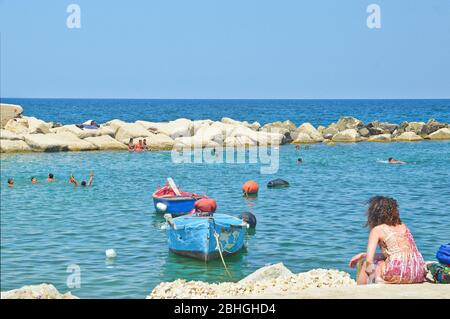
(403, 262)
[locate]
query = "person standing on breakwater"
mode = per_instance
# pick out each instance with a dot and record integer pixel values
(72, 180)
(400, 261)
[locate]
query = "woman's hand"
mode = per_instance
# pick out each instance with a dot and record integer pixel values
(355, 259)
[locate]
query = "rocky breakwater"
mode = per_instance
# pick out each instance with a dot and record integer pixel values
(26, 134)
(29, 134)
(273, 279)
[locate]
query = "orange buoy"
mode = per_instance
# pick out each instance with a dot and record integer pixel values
(205, 205)
(250, 188)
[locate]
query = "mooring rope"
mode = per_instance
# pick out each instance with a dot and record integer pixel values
(216, 236)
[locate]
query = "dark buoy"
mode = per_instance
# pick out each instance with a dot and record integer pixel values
(249, 218)
(277, 183)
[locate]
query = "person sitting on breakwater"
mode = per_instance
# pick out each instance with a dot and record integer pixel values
(139, 147)
(72, 180)
(131, 144)
(50, 178)
(400, 261)
(392, 160)
(34, 180)
(10, 182)
(144, 145)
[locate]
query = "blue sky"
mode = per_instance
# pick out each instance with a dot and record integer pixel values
(225, 49)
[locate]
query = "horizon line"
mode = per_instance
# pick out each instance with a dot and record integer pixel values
(217, 99)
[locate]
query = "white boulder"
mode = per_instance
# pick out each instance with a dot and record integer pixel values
(408, 137)
(380, 138)
(441, 134)
(347, 136)
(106, 142)
(12, 146)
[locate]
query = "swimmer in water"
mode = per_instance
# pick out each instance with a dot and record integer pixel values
(10, 182)
(392, 160)
(34, 180)
(299, 160)
(50, 178)
(72, 180)
(297, 147)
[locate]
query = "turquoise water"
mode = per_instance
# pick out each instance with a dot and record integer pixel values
(317, 222)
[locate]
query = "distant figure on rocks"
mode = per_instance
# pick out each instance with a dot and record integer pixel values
(72, 180)
(392, 160)
(50, 178)
(139, 147)
(34, 180)
(400, 262)
(10, 182)
(144, 145)
(131, 144)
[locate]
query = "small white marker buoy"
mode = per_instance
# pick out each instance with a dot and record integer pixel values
(161, 207)
(110, 253)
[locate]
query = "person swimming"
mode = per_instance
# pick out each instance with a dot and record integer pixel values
(300, 160)
(392, 160)
(10, 182)
(34, 180)
(72, 180)
(50, 178)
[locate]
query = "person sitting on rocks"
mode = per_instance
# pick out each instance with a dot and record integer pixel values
(72, 180)
(50, 178)
(10, 182)
(144, 145)
(139, 147)
(131, 144)
(34, 180)
(400, 261)
(392, 160)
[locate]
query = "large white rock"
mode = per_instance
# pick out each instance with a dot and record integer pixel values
(239, 141)
(330, 131)
(441, 134)
(347, 136)
(42, 291)
(107, 130)
(159, 142)
(408, 137)
(210, 133)
(115, 124)
(174, 129)
(8, 112)
(17, 125)
(268, 273)
(57, 142)
(198, 124)
(380, 138)
(37, 126)
(12, 146)
(254, 126)
(80, 133)
(131, 130)
(309, 129)
(106, 142)
(303, 138)
(8, 135)
(348, 122)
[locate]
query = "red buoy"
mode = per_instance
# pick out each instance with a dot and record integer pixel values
(250, 188)
(205, 205)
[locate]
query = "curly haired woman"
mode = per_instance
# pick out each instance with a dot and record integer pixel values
(400, 261)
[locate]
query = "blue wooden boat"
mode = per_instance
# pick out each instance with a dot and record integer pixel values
(169, 199)
(205, 237)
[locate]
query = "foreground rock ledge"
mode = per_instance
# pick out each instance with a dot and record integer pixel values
(42, 291)
(278, 282)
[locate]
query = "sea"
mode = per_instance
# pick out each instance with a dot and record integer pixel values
(54, 232)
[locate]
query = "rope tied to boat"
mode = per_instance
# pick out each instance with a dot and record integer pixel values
(219, 247)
